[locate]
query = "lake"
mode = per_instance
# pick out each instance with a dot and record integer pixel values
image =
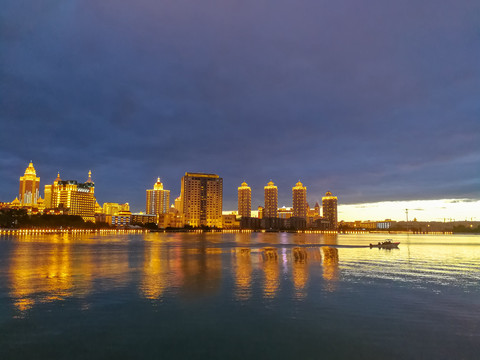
(239, 296)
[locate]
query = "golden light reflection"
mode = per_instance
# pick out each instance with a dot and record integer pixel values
(243, 274)
(271, 271)
(155, 272)
(54, 268)
(31, 274)
(330, 267)
(300, 271)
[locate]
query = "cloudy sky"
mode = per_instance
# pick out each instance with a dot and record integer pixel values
(372, 100)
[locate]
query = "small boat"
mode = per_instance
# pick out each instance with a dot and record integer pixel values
(387, 244)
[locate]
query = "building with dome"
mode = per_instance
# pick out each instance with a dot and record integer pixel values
(158, 199)
(271, 201)
(299, 200)
(329, 205)
(28, 193)
(244, 200)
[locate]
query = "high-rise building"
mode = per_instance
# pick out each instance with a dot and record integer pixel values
(158, 199)
(299, 200)
(329, 204)
(49, 193)
(244, 200)
(202, 196)
(271, 201)
(78, 198)
(28, 193)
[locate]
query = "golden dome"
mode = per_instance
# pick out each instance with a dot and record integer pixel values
(328, 193)
(30, 169)
(244, 184)
(158, 185)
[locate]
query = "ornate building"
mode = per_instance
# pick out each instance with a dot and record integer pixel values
(299, 200)
(158, 199)
(271, 201)
(244, 200)
(329, 204)
(28, 193)
(77, 198)
(202, 196)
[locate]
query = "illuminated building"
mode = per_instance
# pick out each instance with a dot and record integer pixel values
(114, 208)
(78, 198)
(202, 196)
(244, 200)
(178, 205)
(50, 193)
(284, 213)
(158, 199)
(141, 218)
(120, 219)
(29, 184)
(299, 200)
(329, 204)
(260, 212)
(271, 201)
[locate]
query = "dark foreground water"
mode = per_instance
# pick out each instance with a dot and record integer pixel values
(239, 296)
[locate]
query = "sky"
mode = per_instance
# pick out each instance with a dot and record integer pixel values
(375, 101)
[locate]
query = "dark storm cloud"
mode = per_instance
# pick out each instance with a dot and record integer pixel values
(373, 100)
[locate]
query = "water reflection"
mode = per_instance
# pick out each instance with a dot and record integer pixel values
(330, 267)
(201, 270)
(300, 271)
(51, 268)
(271, 272)
(243, 273)
(155, 272)
(49, 274)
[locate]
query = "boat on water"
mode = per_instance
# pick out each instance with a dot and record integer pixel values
(387, 244)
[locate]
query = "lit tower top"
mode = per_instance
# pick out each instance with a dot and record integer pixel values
(57, 179)
(158, 185)
(244, 200)
(89, 177)
(29, 185)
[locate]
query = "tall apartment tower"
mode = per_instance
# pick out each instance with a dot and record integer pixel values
(202, 196)
(78, 198)
(271, 201)
(158, 199)
(329, 204)
(299, 200)
(244, 200)
(28, 193)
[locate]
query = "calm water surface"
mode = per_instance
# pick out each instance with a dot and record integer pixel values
(238, 296)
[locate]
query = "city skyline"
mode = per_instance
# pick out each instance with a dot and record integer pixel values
(374, 102)
(429, 210)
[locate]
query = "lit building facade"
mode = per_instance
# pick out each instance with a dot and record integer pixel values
(202, 197)
(50, 193)
(28, 193)
(78, 198)
(114, 208)
(158, 199)
(271, 201)
(299, 200)
(329, 204)
(244, 200)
